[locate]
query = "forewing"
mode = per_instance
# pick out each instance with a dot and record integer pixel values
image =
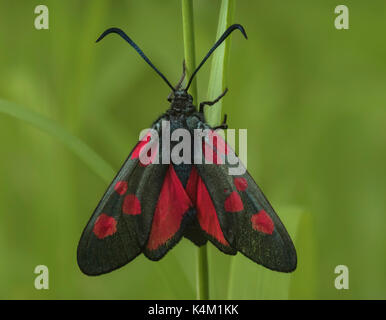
(247, 220)
(119, 227)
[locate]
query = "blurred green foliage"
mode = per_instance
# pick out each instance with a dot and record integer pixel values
(312, 99)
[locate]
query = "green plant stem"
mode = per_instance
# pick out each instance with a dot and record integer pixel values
(190, 61)
(189, 44)
(202, 273)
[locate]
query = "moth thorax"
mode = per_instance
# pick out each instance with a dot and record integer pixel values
(182, 102)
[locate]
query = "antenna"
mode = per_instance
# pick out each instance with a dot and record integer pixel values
(132, 43)
(219, 41)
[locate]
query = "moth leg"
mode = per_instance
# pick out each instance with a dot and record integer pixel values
(178, 86)
(223, 125)
(211, 103)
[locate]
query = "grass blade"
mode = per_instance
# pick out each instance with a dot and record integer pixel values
(77, 146)
(217, 78)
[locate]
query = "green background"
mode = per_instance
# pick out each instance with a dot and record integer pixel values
(313, 101)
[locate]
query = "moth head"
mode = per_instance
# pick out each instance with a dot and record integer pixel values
(180, 96)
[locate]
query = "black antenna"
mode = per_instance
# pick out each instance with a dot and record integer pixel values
(132, 43)
(219, 41)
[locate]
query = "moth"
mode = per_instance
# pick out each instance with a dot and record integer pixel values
(149, 207)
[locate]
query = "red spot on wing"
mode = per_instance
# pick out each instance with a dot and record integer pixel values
(131, 205)
(104, 226)
(210, 155)
(214, 148)
(137, 150)
(121, 187)
(241, 184)
(206, 212)
(219, 143)
(140, 145)
(262, 222)
(149, 155)
(233, 203)
(173, 202)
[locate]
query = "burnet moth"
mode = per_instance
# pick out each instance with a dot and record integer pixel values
(150, 206)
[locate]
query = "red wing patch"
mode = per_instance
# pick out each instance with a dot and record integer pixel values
(144, 144)
(173, 203)
(145, 140)
(121, 187)
(206, 212)
(233, 203)
(131, 205)
(104, 226)
(210, 155)
(214, 148)
(241, 184)
(262, 222)
(219, 143)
